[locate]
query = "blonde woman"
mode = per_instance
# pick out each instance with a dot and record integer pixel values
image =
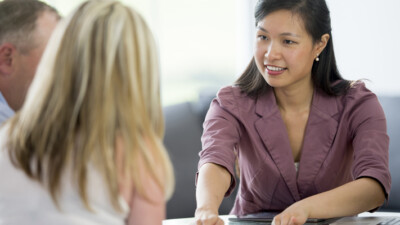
(86, 148)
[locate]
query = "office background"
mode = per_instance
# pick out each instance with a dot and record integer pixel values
(206, 44)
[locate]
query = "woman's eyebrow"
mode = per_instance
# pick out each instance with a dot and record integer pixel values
(290, 34)
(282, 34)
(262, 28)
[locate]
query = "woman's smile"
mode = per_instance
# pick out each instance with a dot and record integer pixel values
(274, 70)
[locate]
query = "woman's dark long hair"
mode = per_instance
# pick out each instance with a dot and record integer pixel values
(317, 22)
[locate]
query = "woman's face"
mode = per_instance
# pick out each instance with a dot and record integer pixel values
(284, 51)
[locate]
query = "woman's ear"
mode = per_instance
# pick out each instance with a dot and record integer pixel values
(321, 44)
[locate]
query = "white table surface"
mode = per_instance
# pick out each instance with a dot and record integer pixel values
(190, 221)
(379, 214)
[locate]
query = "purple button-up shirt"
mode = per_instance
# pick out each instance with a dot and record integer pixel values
(345, 139)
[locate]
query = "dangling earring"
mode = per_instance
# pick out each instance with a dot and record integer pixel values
(317, 59)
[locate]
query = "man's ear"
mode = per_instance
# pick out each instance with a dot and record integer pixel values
(7, 51)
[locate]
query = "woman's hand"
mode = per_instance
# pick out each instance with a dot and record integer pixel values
(212, 183)
(338, 202)
(207, 217)
(296, 214)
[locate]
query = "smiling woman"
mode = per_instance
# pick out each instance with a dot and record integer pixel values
(283, 57)
(302, 134)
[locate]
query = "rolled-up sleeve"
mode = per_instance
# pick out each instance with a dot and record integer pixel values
(220, 136)
(370, 139)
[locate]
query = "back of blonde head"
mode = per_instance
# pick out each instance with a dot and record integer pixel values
(98, 82)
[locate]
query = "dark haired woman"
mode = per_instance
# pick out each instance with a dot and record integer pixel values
(308, 142)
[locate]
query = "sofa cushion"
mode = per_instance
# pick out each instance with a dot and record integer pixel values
(391, 107)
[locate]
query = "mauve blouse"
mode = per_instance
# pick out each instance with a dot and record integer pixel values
(345, 139)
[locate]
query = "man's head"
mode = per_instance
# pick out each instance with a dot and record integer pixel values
(25, 27)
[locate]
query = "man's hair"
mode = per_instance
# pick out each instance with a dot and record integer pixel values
(18, 21)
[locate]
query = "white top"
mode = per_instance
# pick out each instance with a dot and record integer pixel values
(5, 111)
(24, 201)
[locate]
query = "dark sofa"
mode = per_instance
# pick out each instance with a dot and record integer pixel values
(182, 139)
(391, 106)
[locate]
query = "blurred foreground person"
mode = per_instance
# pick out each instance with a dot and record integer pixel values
(86, 147)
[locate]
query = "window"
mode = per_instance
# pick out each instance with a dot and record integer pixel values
(196, 40)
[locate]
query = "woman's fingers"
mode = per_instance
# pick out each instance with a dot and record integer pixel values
(212, 220)
(293, 221)
(286, 219)
(281, 219)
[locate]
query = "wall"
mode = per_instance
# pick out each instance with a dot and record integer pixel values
(366, 42)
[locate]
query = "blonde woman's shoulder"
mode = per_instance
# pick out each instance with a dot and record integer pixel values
(3, 136)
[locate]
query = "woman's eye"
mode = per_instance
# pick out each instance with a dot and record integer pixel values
(289, 42)
(262, 37)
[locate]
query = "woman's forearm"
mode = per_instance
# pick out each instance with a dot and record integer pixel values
(212, 184)
(349, 199)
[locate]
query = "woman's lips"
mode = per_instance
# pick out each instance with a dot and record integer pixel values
(274, 70)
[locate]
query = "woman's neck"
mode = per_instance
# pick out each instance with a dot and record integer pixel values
(295, 99)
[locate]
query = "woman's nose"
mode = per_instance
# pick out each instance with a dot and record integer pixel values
(272, 53)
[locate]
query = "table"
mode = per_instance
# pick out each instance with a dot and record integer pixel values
(190, 221)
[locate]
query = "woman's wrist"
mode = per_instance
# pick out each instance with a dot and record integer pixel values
(307, 207)
(207, 208)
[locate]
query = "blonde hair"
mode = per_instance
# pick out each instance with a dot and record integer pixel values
(98, 82)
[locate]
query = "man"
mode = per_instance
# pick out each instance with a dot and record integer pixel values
(25, 28)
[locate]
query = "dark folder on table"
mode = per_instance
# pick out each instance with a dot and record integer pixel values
(264, 218)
